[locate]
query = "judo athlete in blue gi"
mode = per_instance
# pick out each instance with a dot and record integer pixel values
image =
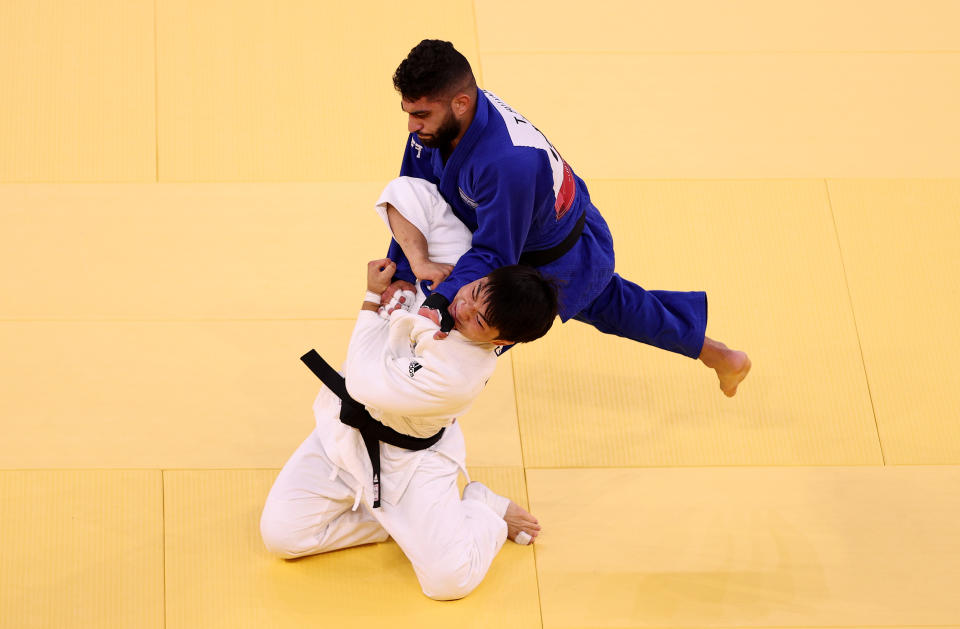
(524, 203)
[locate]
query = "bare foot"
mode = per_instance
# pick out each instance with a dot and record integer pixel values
(739, 368)
(732, 366)
(519, 519)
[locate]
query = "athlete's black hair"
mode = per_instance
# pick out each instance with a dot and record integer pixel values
(432, 69)
(521, 303)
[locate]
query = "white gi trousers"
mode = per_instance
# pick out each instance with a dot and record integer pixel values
(314, 507)
(321, 499)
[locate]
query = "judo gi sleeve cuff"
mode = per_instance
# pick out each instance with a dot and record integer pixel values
(438, 302)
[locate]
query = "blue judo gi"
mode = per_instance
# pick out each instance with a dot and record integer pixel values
(514, 191)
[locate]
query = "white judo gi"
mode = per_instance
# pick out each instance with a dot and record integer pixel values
(321, 500)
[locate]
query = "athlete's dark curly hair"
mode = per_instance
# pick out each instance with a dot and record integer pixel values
(521, 303)
(432, 69)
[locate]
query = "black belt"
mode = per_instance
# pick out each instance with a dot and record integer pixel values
(355, 415)
(546, 256)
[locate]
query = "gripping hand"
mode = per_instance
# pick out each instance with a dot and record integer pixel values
(438, 304)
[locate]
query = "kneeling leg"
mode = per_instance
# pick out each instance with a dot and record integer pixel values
(450, 542)
(309, 510)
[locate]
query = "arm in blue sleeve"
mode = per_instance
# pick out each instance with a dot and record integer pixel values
(403, 272)
(504, 214)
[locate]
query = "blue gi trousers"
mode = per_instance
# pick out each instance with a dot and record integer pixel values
(591, 292)
(674, 321)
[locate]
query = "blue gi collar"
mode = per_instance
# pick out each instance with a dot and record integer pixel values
(467, 142)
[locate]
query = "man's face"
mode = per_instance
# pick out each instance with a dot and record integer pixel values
(469, 307)
(432, 120)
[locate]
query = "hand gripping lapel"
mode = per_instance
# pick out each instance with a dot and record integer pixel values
(438, 302)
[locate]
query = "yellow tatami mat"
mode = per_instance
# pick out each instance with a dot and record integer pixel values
(81, 549)
(186, 207)
(766, 253)
(740, 115)
(619, 26)
(899, 243)
(735, 547)
(289, 91)
(77, 91)
(187, 395)
(218, 574)
(236, 251)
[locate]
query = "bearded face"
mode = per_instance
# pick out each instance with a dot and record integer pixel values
(448, 129)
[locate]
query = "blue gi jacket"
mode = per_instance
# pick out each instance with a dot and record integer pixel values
(514, 191)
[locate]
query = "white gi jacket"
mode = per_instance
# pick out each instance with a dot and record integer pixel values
(409, 382)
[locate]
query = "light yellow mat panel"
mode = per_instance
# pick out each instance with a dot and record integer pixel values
(704, 26)
(506, 481)
(79, 95)
(187, 394)
(899, 243)
(740, 115)
(490, 428)
(237, 251)
(218, 574)
(291, 91)
(766, 253)
(81, 549)
(747, 547)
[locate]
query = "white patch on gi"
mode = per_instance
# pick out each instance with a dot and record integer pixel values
(523, 133)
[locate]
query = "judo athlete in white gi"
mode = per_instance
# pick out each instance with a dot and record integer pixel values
(324, 498)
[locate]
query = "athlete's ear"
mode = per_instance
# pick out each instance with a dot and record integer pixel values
(499, 342)
(461, 103)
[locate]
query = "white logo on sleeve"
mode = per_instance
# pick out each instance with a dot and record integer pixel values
(414, 144)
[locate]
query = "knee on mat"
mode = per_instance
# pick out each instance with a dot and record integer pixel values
(281, 539)
(449, 582)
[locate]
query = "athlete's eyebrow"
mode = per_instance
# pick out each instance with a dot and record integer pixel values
(419, 112)
(476, 295)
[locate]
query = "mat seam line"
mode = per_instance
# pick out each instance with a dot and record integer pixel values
(532, 467)
(513, 370)
(156, 92)
(856, 327)
(526, 481)
(692, 53)
(912, 626)
(163, 530)
(194, 320)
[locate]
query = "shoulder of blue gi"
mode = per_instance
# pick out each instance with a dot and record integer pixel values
(419, 161)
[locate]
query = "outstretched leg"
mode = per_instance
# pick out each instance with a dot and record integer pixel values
(670, 320)
(674, 321)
